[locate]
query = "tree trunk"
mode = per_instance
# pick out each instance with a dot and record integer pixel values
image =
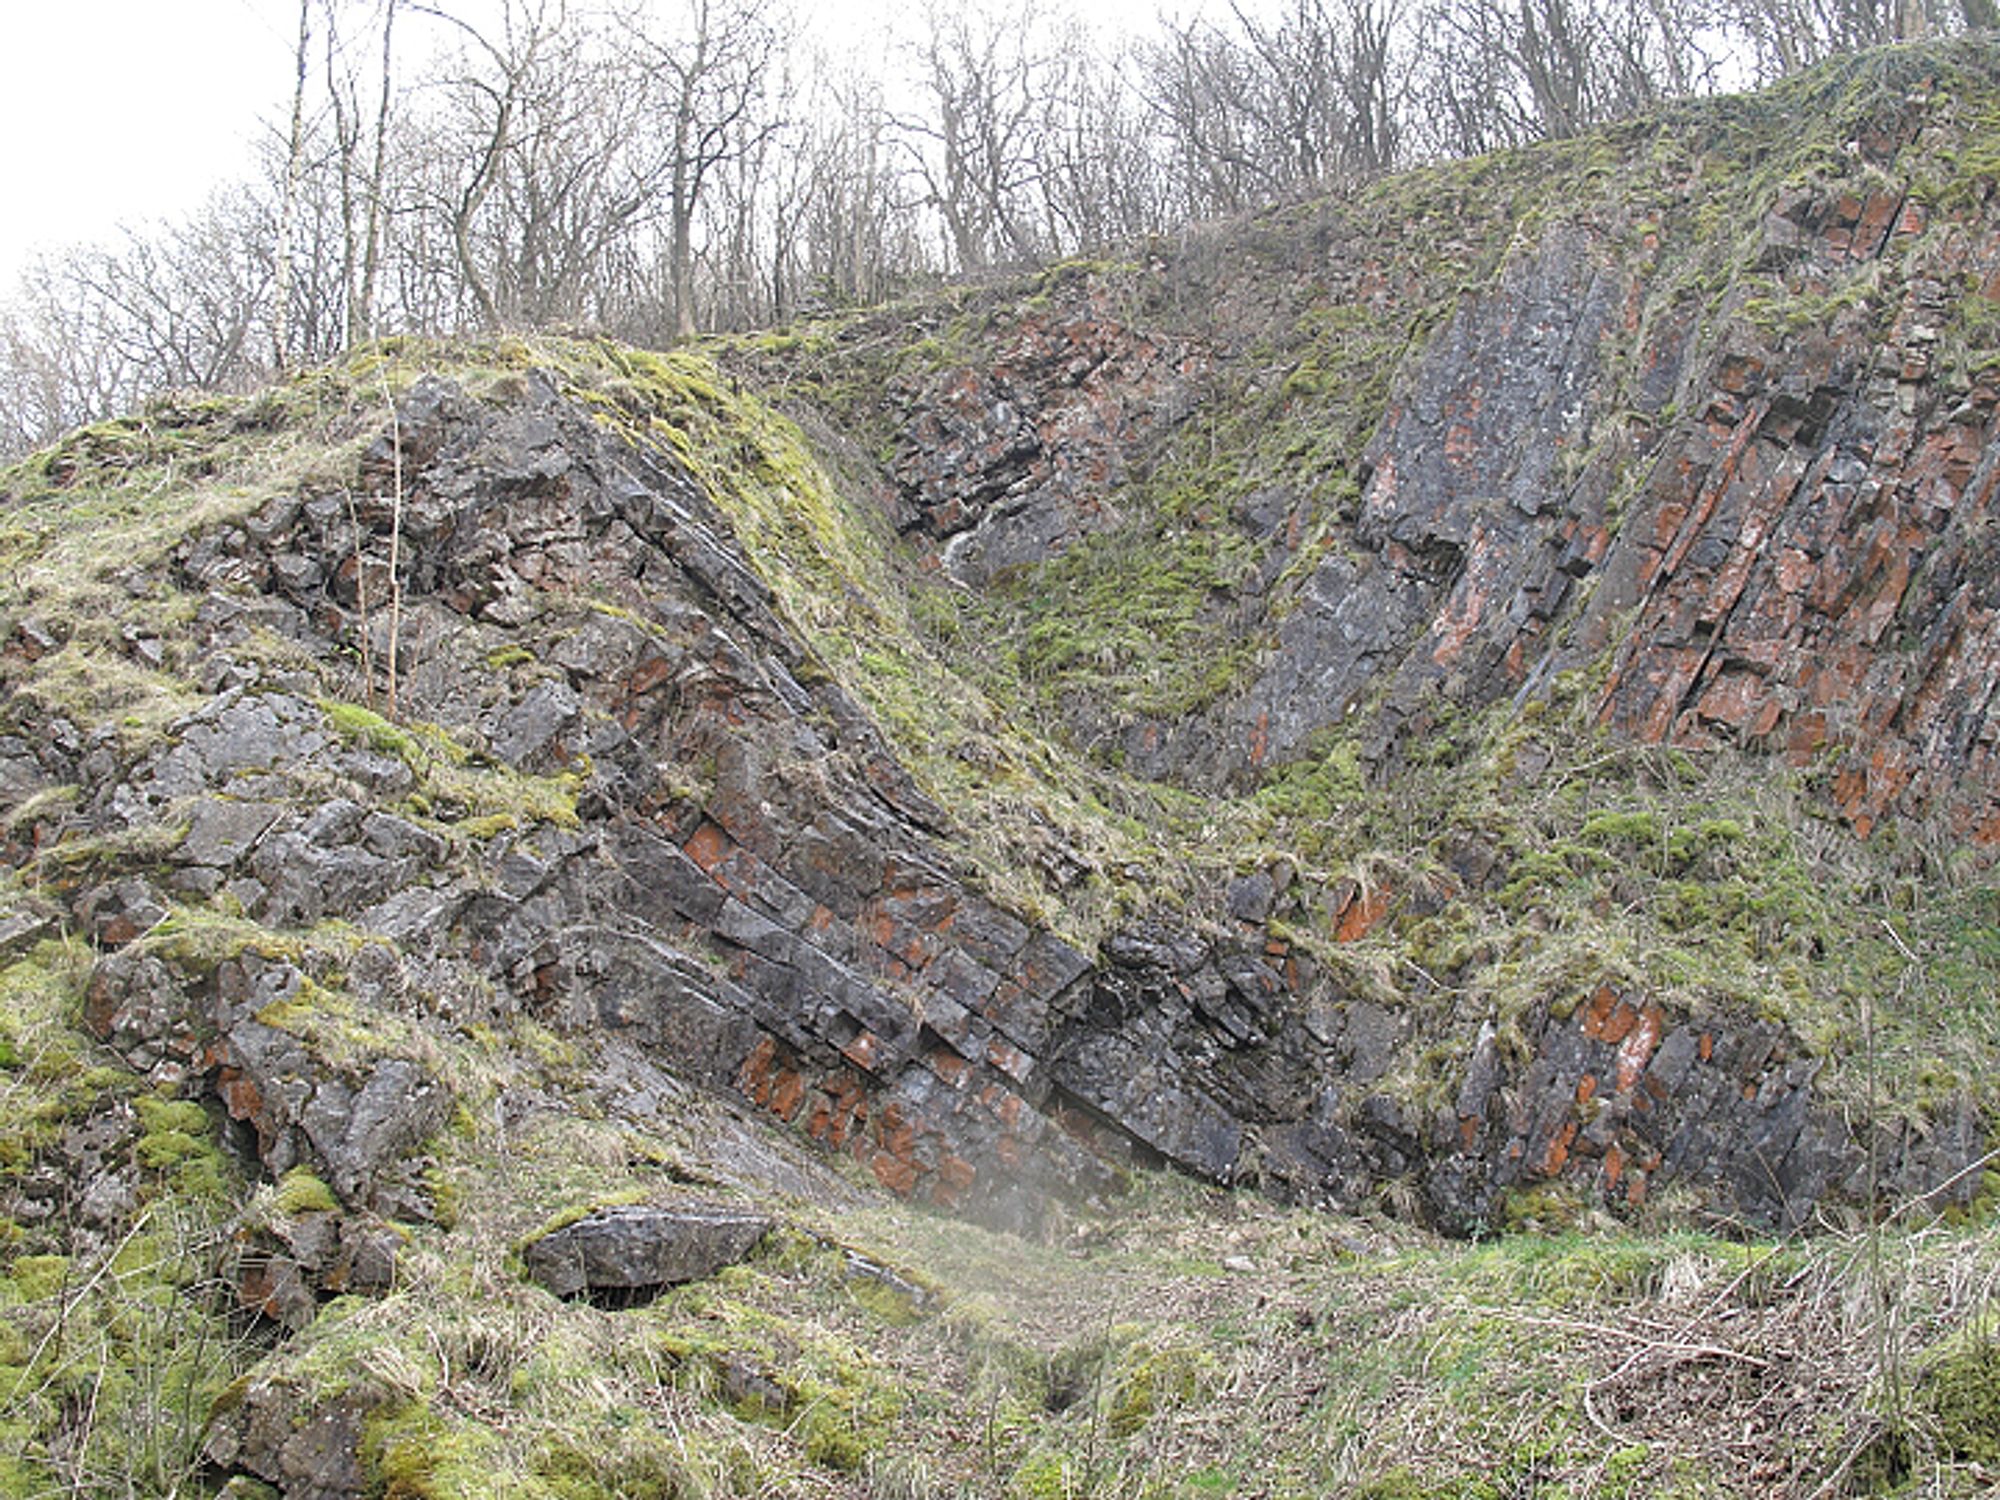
(281, 310)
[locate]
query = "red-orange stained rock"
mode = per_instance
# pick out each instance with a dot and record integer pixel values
(788, 1092)
(257, 1290)
(894, 1173)
(850, 1110)
(1556, 1153)
(1876, 215)
(707, 846)
(1733, 699)
(1456, 623)
(1614, 1166)
(1805, 736)
(881, 929)
(861, 1050)
(1586, 1087)
(1738, 373)
(896, 1131)
(240, 1096)
(648, 675)
(1637, 1048)
(819, 1119)
(1613, 1023)
(1597, 1013)
(949, 1066)
(1362, 915)
(754, 1077)
(1009, 1060)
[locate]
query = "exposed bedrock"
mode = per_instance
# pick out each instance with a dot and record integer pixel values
(736, 875)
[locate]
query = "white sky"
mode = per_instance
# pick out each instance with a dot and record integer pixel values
(122, 112)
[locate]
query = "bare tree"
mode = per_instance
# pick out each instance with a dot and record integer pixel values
(857, 230)
(985, 82)
(1099, 176)
(494, 75)
(659, 171)
(359, 159)
(709, 74)
(295, 147)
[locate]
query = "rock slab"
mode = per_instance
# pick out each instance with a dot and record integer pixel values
(635, 1247)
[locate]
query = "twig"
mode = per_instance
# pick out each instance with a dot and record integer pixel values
(1590, 1411)
(361, 603)
(1833, 1483)
(1648, 1345)
(395, 536)
(1901, 946)
(1980, 1164)
(70, 1301)
(1710, 1306)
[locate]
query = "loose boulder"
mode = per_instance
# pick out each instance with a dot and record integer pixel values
(624, 1253)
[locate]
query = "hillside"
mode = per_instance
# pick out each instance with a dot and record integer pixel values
(1462, 710)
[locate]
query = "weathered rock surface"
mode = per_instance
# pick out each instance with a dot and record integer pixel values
(794, 929)
(658, 820)
(309, 1452)
(637, 1248)
(1012, 460)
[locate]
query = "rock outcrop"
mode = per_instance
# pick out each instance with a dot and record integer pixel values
(645, 763)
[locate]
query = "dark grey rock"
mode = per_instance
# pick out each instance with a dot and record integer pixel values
(358, 1133)
(21, 930)
(1250, 897)
(1154, 946)
(335, 821)
(416, 919)
(305, 881)
(108, 1201)
(636, 1247)
(119, 911)
(221, 831)
(274, 1433)
(799, 934)
(397, 838)
(297, 575)
(245, 734)
(136, 1005)
(366, 1259)
(34, 637)
(21, 771)
(196, 880)
(527, 729)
